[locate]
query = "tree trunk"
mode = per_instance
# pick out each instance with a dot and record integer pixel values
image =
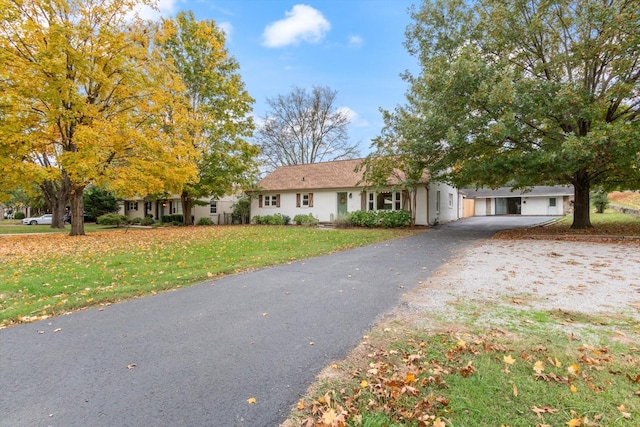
(581, 204)
(77, 211)
(187, 204)
(56, 195)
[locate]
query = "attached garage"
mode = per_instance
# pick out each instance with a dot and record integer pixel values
(539, 200)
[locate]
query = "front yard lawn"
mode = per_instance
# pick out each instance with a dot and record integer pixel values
(49, 274)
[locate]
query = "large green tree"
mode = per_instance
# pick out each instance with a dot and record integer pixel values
(84, 99)
(219, 108)
(405, 156)
(532, 92)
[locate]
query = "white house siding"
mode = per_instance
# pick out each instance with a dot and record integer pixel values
(443, 211)
(543, 205)
(173, 206)
(530, 205)
(325, 204)
(481, 206)
(224, 209)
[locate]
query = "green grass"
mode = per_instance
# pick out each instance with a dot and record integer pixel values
(48, 274)
(609, 223)
(485, 377)
(490, 363)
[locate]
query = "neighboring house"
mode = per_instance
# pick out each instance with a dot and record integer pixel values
(218, 209)
(331, 189)
(539, 200)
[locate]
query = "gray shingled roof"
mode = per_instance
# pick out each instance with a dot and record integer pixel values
(541, 190)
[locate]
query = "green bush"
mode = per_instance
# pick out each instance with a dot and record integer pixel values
(286, 219)
(395, 219)
(600, 200)
(147, 220)
(276, 219)
(307, 220)
(205, 220)
(170, 219)
(364, 219)
(241, 210)
(137, 220)
(385, 219)
(112, 219)
(19, 215)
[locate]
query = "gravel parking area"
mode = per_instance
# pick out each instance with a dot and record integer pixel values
(589, 277)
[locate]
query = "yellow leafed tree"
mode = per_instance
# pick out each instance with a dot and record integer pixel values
(85, 99)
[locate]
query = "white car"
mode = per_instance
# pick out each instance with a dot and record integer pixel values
(44, 219)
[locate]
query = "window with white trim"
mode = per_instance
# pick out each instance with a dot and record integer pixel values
(270, 200)
(133, 206)
(450, 200)
(213, 207)
(385, 200)
(305, 200)
(552, 202)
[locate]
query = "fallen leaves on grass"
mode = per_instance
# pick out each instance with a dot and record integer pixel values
(409, 385)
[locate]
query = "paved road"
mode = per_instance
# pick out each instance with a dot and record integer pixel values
(193, 357)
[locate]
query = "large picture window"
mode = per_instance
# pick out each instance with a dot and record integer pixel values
(385, 200)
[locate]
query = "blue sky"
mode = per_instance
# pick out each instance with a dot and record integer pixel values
(352, 46)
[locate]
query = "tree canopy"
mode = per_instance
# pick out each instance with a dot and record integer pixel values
(85, 98)
(531, 92)
(405, 155)
(305, 127)
(219, 107)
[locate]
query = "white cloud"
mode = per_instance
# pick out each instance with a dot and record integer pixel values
(226, 28)
(302, 23)
(164, 8)
(354, 117)
(355, 41)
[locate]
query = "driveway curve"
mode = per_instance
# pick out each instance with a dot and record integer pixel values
(198, 356)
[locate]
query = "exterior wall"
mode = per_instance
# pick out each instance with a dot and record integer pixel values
(531, 205)
(224, 209)
(173, 206)
(481, 206)
(539, 206)
(325, 204)
(446, 209)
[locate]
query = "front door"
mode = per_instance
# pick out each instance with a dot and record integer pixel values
(342, 204)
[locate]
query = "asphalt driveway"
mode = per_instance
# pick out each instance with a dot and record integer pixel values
(194, 357)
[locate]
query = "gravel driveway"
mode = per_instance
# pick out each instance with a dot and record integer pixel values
(543, 274)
